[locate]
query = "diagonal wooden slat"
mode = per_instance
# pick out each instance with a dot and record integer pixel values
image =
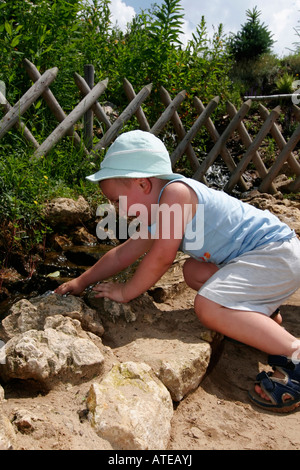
(280, 160)
(247, 141)
(224, 152)
(123, 118)
(179, 129)
(280, 140)
(178, 152)
(85, 90)
(19, 124)
(215, 151)
(53, 104)
(13, 115)
(252, 149)
(142, 120)
(71, 119)
(168, 113)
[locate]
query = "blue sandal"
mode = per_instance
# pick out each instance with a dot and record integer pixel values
(284, 393)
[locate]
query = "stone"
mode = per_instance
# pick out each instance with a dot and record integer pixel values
(81, 236)
(60, 352)
(30, 314)
(24, 421)
(1, 394)
(67, 212)
(131, 408)
(7, 433)
(111, 310)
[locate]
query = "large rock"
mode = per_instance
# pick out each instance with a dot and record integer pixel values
(180, 365)
(131, 408)
(60, 352)
(26, 315)
(67, 212)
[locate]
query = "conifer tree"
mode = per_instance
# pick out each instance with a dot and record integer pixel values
(253, 40)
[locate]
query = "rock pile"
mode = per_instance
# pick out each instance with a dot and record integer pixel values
(138, 358)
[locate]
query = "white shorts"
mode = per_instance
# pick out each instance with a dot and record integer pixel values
(260, 280)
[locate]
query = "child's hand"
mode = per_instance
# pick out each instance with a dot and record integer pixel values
(73, 287)
(112, 290)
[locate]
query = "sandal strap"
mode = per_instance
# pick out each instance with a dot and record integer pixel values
(276, 389)
(281, 361)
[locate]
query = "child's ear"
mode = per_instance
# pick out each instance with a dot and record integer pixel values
(145, 184)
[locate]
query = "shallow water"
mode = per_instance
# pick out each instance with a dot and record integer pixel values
(56, 269)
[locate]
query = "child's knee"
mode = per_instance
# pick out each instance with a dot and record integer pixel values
(196, 273)
(201, 309)
(189, 271)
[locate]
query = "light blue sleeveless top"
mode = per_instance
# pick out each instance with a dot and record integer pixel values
(224, 227)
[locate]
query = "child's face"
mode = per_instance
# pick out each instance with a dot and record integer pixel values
(133, 192)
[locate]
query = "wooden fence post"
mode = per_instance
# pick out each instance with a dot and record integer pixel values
(72, 118)
(13, 115)
(85, 89)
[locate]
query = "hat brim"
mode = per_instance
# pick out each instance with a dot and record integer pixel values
(106, 173)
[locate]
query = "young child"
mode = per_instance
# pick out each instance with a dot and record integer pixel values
(244, 263)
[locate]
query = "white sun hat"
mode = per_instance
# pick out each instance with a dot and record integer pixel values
(136, 154)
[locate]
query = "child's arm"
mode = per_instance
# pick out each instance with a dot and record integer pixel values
(163, 250)
(111, 263)
(150, 270)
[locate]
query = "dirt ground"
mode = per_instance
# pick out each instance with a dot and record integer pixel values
(217, 416)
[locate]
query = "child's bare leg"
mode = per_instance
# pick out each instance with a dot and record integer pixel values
(196, 273)
(251, 328)
(247, 327)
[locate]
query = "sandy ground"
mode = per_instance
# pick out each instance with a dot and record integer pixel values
(217, 416)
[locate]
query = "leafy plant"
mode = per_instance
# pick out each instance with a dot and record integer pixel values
(69, 34)
(285, 84)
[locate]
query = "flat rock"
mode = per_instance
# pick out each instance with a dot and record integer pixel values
(179, 365)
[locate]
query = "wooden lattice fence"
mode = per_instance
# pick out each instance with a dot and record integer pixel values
(89, 106)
